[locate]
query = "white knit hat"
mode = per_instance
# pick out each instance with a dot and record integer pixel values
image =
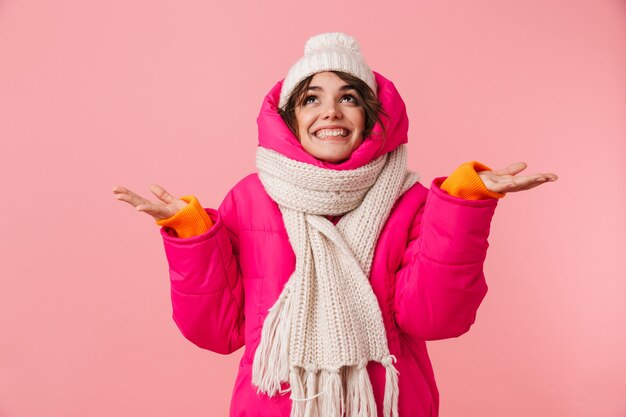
(333, 51)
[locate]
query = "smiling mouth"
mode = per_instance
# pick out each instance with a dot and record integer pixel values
(334, 133)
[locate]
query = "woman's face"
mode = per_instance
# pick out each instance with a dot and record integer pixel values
(330, 119)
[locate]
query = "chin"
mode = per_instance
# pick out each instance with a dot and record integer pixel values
(333, 159)
(333, 153)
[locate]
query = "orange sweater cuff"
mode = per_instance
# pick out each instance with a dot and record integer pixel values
(189, 221)
(465, 183)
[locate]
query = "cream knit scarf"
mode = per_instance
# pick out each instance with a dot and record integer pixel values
(326, 324)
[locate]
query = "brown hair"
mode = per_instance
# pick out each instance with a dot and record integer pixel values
(367, 99)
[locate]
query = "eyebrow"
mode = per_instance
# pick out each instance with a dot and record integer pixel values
(342, 88)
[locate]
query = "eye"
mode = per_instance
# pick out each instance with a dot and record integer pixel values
(309, 99)
(349, 98)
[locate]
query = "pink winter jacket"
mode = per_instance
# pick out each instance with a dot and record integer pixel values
(427, 271)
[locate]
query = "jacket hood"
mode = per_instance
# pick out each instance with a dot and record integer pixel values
(274, 133)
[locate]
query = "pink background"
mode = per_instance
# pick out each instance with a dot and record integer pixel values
(94, 94)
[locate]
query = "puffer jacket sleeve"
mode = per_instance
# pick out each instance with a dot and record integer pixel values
(441, 282)
(206, 284)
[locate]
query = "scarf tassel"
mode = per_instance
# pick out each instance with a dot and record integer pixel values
(360, 397)
(332, 403)
(271, 359)
(312, 409)
(298, 403)
(302, 406)
(358, 400)
(390, 404)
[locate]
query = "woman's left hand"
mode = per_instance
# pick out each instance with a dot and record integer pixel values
(504, 180)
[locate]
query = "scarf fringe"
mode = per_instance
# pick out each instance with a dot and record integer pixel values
(390, 404)
(332, 402)
(324, 394)
(297, 392)
(360, 398)
(271, 359)
(312, 408)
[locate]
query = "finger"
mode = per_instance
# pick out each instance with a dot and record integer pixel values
(158, 211)
(512, 169)
(527, 187)
(119, 189)
(131, 198)
(526, 183)
(162, 194)
(545, 177)
(538, 182)
(550, 176)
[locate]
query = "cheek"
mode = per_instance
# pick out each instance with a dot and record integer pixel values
(302, 124)
(300, 131)
(359, 119)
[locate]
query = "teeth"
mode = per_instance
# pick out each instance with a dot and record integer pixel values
(323, 133)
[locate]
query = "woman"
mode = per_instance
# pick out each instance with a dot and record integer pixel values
(333, 265)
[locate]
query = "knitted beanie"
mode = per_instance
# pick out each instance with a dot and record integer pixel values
(333, 51)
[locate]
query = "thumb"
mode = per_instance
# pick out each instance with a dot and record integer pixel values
(512, 169)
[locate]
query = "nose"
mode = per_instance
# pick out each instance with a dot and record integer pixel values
(332, 111)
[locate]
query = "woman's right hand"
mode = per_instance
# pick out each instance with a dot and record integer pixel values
(167, 207)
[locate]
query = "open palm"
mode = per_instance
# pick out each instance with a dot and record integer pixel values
(166, 207)
(505, 180)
